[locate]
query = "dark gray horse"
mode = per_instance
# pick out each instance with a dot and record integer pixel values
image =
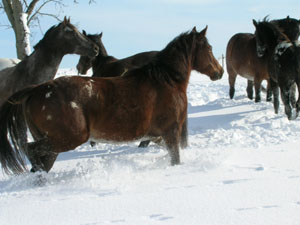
(43, 63)
(283, 65)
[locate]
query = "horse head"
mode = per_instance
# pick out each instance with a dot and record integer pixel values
(71, 41)
(268, 36)
(204, 60)
(86, 62)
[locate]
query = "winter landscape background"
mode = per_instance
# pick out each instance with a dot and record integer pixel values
(241, 168)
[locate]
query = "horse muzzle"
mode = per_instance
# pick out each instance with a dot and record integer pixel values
(217, 75)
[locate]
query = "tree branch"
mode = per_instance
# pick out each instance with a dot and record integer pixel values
(9, 11)
(31, 6)
(50, 15)
(37, 11)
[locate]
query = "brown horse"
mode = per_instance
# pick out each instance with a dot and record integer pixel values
(150, 101)
(104, 65)
(243, 58)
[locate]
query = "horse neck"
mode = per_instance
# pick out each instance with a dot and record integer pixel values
(100, 61)
(178, 65)
(42, 65)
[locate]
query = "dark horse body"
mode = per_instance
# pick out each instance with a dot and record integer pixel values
(150, 101)
(44, 61)
(283, 64)
(243, 58)
(104, 65)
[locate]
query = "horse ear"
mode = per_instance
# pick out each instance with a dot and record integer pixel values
(69, 19)
(100, 35)
(203, 32)
(65, 20)
(84, 33)
(254, 23)
(194, 30)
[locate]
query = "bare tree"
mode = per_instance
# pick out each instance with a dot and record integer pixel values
(23, 14)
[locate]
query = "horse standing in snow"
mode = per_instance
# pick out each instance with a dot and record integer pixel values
(243, 58)
(283, 64)
(149, 101)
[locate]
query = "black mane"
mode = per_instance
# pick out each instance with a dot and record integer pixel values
(289, 26)
(271, 32)
(46, 38)
(178, 52)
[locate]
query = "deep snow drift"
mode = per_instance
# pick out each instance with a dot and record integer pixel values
(242, 167)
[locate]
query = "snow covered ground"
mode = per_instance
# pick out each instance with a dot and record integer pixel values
(242, 167)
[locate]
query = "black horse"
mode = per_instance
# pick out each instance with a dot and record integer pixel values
(283, 64)
(247, 57)
(105, 65)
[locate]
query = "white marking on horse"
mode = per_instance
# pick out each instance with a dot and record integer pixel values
(282, 47)
(74, 105)
(43, 108)
(297, 43)
(89, 87)
(49, 117)
(48, 95)
(124, 72)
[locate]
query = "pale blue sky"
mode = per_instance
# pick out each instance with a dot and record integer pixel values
(132, 26)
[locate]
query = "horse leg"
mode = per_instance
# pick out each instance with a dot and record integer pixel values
(250, 89)
(269, 91)
(231, 78)
(40, 155)
(298, 101)
(293, 95)
(144, 144)
(257, 85)
(285, 97)
(275, 90)
(184, 135)
(171, 139)
(92, 143)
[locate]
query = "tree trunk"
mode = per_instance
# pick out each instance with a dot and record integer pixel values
(18, 20)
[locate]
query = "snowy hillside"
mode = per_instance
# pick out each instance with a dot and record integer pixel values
(242, 167)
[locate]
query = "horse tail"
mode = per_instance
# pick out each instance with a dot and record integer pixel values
(12, 152)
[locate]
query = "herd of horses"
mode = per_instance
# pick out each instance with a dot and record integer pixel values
(142, 97)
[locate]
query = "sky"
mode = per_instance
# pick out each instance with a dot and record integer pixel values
(133, 26)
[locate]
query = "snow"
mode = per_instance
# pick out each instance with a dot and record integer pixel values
(241, 168)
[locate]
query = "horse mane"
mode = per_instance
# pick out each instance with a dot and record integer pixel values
(45, 39)
(275, 29)
(171, 64)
